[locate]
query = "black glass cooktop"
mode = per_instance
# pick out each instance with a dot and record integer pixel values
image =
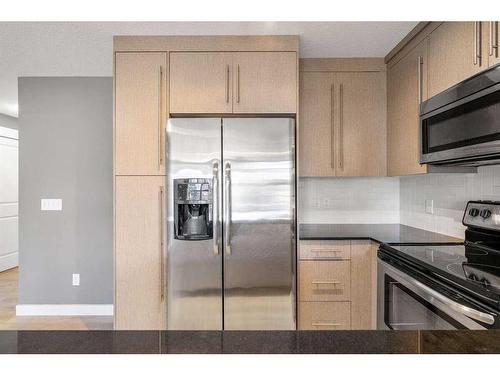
(470, 266)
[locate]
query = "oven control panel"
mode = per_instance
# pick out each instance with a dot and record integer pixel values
(482, 214)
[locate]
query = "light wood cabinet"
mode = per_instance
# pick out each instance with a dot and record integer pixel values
(333, 250)
(406, 87)
(201, 82)
(457, 50)
(139, 254)
(239, 82)
(342, 124)
(265, 82)
(337, 284)
(364, 285)
(324, 281)
(361, 119)
(324, 316)
(140, 113)
(316, 132)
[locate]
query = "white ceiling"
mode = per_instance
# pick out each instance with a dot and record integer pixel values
(85, 48)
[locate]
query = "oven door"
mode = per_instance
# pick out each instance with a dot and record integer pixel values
(406, 303)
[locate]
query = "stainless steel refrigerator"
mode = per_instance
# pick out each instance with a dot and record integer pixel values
(231, 224)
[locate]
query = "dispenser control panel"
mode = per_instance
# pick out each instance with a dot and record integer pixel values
(194, 190)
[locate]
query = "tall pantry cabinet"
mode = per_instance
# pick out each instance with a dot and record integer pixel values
(139, 167)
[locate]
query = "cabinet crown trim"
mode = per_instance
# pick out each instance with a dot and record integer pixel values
(368, 64)
(212, 43)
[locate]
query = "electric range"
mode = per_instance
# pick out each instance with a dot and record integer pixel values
(432, 286)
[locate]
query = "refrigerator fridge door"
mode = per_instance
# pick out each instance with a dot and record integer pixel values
(194, 248)
(259, 223)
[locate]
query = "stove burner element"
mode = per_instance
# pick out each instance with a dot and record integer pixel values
(486, 276)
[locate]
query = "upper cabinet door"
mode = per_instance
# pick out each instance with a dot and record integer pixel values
(200, 82)
(360, 115)
(140, 113)
(457, 51)
(491, 33)
(316, 127)
(406, 88)
(265, 82)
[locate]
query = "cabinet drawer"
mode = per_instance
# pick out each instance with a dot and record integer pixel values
(325, 249)
(321, 280)
(324, 315)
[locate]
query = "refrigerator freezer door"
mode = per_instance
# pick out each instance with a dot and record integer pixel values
(194, 267)
(259, 223)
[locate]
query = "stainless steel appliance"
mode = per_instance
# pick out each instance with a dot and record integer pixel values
(231, 224)
(444, 286)
(461, 126)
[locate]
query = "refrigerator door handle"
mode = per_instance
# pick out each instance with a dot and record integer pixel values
(227, 207)
(215, 206)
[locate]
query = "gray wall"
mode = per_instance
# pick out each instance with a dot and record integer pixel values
(8, 121)
(65, 151)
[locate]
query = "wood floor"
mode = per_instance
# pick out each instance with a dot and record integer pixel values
(9, 320)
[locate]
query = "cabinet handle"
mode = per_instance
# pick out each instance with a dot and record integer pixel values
(332, 282)
(237, 83)
(420, 63)
(474, 60)
(160, 96)
(227, 83)
(330, 324)
(491, 38)
(494, 38)
(325, 251)
(162, 253)
(332, 128)
(477, 43)
(341, 126)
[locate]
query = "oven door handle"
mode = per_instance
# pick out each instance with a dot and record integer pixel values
(462, 309)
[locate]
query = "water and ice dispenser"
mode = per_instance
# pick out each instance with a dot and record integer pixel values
(193, 209)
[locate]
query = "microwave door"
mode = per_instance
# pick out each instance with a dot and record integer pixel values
(194, 259)
(259, 223)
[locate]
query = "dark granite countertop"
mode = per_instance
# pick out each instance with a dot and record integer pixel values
(382, 233)
(248, 342)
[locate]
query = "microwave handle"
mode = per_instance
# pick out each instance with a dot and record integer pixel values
(458, 307)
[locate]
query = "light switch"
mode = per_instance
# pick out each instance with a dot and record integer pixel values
(51, 204)
(76, 279)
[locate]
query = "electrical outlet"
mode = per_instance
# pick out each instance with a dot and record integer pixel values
(429, 206)
(76, 279)
(325, 203)
(316, 203)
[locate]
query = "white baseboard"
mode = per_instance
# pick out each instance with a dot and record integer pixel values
(9, 261)
(63, 310)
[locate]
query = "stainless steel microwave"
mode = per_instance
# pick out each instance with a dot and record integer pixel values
(461, 126)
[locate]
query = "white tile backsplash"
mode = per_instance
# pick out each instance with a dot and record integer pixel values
(450, 193)
(397, 200)
(340, 200)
